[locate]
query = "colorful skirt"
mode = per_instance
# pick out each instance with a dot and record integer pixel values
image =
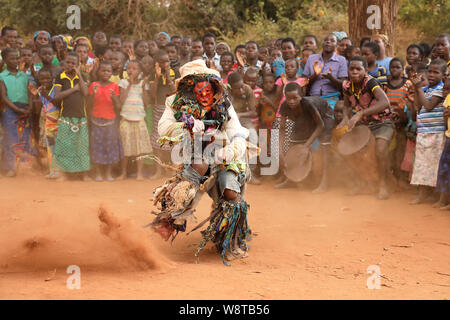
(157, 114)
(72, 145)
(105, 143)
(429, 148)
(443, 181)
(135, 138)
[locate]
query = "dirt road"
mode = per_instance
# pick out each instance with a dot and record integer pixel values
(305, 246)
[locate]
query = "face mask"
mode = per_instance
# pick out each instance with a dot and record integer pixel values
(204, 94)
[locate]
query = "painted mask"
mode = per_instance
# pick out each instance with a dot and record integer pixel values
(204, 94)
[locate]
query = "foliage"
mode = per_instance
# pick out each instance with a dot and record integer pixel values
(430, 17)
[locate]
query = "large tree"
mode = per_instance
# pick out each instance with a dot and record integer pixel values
(368, 17)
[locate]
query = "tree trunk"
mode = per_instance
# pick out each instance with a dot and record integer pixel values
(368, 17)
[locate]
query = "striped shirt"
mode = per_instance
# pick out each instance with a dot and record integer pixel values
(380, 74)
(133, 108)
(432, 121)
(398, 95)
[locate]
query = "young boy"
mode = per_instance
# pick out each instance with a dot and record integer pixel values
(172, 51)
(197, 47)
(185, 50)
(313, 118)
(115, 42)
(210, 54)
(46, 55)
(371, 51)
(250, 79)
(17, 108)
(72, 141)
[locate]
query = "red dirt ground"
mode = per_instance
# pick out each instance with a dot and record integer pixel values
(306, 246)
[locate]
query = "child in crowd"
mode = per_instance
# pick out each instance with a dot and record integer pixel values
(313, 118)
(369, 106)
(371, 51)
(172, 52)
(291, 76)
(163, 86)
(185, 50)
(115, 42)
(352, 51)
(226, 62)
(443, 182)
(310, 42)
(197, 47)
(117, 63)
(414, 53)
(250, 79)
(72, 141)
(141, 49)
(105, 144)
(397, 90)
(442, 47)
(51, 111)
(134, 98)
(267, 102)
(264, 54)
(305, 55)
(222, 47)
(17, 109)
(343, 45)
(152, 48)
(87, 64)
(26, 64)
(244, 104)
(430, 128)
(45, 53)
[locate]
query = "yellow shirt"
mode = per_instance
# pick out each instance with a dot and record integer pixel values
(116, 79)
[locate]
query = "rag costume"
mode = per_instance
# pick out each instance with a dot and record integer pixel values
(201, 98)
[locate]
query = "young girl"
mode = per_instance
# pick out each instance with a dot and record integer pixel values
(17, 108)
(371, 51)
(141, 49)
(117, 63)
(51, 112)
(267, 102)
(106, 148)
(369, 106)
(397, 90)
(134, 98)
(226, 62)
(164, 85)
(291, 75)
(414, 53)
(72, 141)
(26, 64)
(42, 38)
(430, 128)
(443, 182)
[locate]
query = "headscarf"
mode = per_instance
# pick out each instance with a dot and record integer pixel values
(69, 41)
(166, 34)
(62, 39)
(383, 37)
(83, 38)
(37, 33)
(226, 45)
(340, 35)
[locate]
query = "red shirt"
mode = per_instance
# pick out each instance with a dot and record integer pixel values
(103, 105)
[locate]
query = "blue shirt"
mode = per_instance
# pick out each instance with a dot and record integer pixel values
(385, 63)
(322, 86)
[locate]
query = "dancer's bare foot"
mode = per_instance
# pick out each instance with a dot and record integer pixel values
(447, 207)
(320, 189)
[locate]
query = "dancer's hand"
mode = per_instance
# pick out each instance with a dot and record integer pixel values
(198, 127)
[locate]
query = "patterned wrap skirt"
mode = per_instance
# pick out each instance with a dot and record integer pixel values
(135, 138)
(443, 182)
(429, 148)
(157, 114)
(72, 145)
(105, 143)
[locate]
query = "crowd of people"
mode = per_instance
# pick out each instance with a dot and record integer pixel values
(91, 105)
